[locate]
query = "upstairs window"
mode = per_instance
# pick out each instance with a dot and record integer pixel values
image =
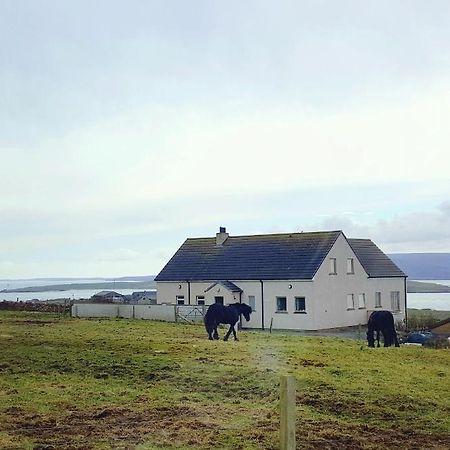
(333, 266)
(350, 301)
(300, 305)
(350, 266)
(200, 299)
(180, 299)
(252, 302)
(377, 299)
(281, 304)
(395, 301)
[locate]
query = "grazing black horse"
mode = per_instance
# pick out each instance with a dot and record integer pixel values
(218, 313)
(382, 321)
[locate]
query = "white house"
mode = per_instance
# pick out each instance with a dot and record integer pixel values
(298, 281)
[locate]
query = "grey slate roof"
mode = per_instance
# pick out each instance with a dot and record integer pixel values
(376, 263)
(294, 256)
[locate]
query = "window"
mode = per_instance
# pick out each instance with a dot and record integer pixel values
(333, 266)
(395, 301)
(377, 299)
(361, 301)
(218, 300)
(350, 266)
(180, 299)
(350, 301)
(300, 305)
(281, 304)
(200, 299)
(252, 302)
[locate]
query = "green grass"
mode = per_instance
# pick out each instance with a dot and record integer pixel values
(419, 319)
(75, 383)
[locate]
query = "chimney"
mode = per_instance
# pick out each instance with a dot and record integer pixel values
(221, 236)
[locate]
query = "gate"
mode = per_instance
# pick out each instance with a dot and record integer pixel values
(190, 313)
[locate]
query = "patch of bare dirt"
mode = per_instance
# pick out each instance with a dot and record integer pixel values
(332, 436)
(124, 428)
(121, 426)
(33, 322)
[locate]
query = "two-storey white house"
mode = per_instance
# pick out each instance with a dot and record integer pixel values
(298, 281)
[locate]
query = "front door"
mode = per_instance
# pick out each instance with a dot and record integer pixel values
(218, 300)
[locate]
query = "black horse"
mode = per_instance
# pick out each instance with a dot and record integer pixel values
(382, 321)
(218, 313)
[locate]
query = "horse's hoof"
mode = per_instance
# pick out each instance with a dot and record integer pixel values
(210, 338)
(236, 339)
(225, 339)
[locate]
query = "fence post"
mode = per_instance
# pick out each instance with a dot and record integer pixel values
(287, 412)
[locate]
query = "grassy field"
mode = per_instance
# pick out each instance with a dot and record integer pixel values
(77, 384)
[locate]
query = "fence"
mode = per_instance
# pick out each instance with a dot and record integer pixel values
(168, 313)
(39, 307)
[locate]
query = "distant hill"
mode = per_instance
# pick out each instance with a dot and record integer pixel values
(418, 286)
(424, 266)
(109, 285)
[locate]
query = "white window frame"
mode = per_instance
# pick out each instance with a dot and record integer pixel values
(333, 266)
(252, 302)
(378, 299)
(285, 302)
(180, 298)
(350, 302)
(200, 298)
(350, 266)
(395, 300)
(362, 301)
(301, 311)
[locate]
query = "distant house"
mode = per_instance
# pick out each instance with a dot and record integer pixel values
(299, 281)
(108, 297)
(144, 297)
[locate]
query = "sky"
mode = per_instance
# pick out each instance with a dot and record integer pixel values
(127, 127)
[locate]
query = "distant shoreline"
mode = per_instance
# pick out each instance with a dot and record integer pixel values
(138, 285)
(412, 286)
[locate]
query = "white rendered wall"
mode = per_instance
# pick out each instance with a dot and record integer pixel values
(326, 295)
(152, 312)
(330, 291)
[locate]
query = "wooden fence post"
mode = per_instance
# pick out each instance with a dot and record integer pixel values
(287, 412)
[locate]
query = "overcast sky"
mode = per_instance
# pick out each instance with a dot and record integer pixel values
(128, 126)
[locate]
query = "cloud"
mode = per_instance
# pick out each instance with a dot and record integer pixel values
(419, 231)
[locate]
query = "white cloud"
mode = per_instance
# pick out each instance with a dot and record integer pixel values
(420, 231)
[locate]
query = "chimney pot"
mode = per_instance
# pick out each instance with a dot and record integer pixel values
(221, 236)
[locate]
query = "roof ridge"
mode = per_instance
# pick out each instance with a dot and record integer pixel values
(271, 234)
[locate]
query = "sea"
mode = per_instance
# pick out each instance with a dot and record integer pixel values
(438, 301)
(74, 294)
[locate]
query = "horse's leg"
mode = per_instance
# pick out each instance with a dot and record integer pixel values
(216, 334)
(209, 329)
(228, 333)
(387, 338)
(234, 333)
(396, 339)
(378, 338)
